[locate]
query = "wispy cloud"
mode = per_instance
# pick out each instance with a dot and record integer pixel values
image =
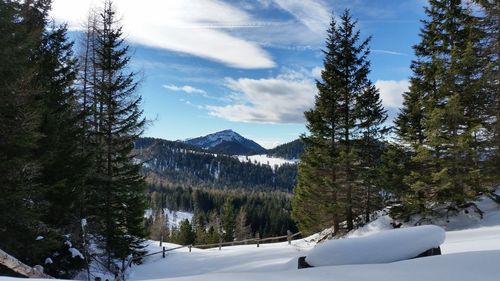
(313, 14)
(388, 52)
(278, 100)
(391, 92)
(163, 24)
(187, 89)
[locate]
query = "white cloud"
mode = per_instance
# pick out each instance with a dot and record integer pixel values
(282, 99)
(187, 89)
(391, 92)
(316, 72)
(197, 27)
(313, 14)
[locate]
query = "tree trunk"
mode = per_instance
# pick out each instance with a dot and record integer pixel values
(21, 268)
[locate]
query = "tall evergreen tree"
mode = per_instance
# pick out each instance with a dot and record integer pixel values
(444, 110)
(117, 201)
(347, 110)
(227, 220)
(21, 27)
(491, 48)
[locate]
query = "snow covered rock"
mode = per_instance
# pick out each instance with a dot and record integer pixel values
(383, 247)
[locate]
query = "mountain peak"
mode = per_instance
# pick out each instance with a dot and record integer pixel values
(227, 142)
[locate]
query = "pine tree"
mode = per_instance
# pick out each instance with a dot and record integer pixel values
(227, 221)
(347, 108)
(21, 27)
(372, 116)
(443, 112)
(117, 201)
(185, 235)
(491, 48)
(64, 167)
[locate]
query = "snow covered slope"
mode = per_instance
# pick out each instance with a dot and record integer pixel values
(263, 159)
(469, 254)
(174, 217)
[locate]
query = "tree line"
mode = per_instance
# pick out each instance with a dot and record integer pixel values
(67, 126)
(444, 146)
(227, 215)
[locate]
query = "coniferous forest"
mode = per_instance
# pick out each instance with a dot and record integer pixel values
(77, 179)
(68, 123)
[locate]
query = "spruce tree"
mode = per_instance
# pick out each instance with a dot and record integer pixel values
(117, 200)
(491, 49)
(21, 202)
(227, 220)
(347, 110)
(370, 146)
(443, 112)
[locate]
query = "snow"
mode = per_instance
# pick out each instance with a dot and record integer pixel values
(174, 217)
(263, 159)
(75, 253)
(470, 253)
(84, 223)
(383, 247)
(38, 238)
(68, 243)
(48, 261)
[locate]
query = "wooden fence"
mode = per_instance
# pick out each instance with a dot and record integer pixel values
(289, 237)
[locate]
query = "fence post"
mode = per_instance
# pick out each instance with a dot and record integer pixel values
(161, 240)
(289, 237)
(220, 243)
(258, 239)
(163, 252)
(190, 248)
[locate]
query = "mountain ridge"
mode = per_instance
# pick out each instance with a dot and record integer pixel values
(227, 142)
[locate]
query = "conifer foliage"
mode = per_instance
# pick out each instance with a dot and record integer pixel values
(116, 200)
(66, 145)
(345, 126)
(445, 113)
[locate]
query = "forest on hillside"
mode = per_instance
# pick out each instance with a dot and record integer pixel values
(172, 162)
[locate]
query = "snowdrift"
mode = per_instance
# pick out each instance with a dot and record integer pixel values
(383, 247)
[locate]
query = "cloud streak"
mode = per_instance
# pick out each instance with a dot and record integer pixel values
(187, 89)
(197, 27)
(313, 14)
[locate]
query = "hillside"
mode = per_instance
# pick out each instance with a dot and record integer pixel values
(290, 150)
(178, 162)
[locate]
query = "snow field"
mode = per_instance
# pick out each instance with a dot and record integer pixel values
(263, 159)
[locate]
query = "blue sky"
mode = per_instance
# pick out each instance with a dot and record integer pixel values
(250, 66)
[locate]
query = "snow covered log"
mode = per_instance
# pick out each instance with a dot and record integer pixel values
(21, 268)
(383, 247)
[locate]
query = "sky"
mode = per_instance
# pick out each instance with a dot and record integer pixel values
(248, 65)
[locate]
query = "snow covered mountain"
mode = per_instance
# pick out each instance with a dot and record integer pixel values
(227, 142)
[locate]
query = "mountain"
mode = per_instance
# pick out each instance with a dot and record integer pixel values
(291, 150)
(227, 142)
(181, 163)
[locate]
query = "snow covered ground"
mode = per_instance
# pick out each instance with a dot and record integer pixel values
(174, 217)
(265, 160)
(471, 251)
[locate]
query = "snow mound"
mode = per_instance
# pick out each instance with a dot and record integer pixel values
(383, 247)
